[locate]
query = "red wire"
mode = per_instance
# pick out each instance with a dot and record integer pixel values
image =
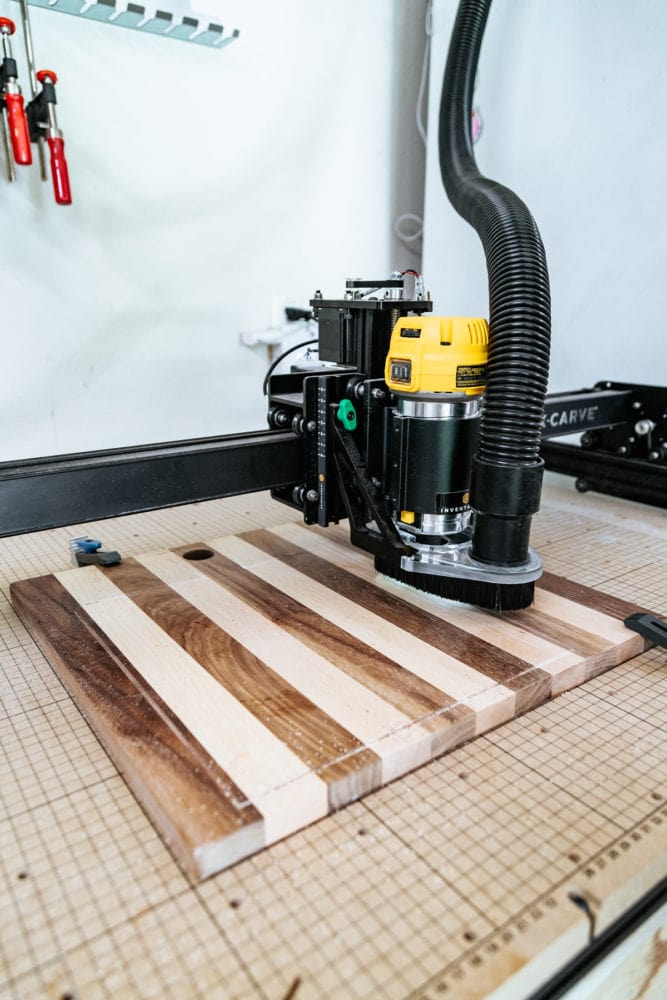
(416, 274)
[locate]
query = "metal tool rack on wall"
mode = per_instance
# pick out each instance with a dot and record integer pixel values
(35, 123)
(148, 18)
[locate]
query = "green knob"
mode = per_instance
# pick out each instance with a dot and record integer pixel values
(347, 415)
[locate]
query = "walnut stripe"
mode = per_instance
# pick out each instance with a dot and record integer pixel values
(400, 742)
(563, 633)
(158, 756)
(175, 662)
(606, 603)
(452, 723)
(585, 641)
(493, 703)
(502, 667)
(554, 668)
(270, 775)
(340, 759)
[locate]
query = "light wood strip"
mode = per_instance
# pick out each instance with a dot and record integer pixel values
(597, 652)
(587, 619)
(565, 634)
(554, 669)
(334, 545)
(591, 621)
(319, 585)
(595, 599)
(315, 601)
(339, 758)
(400, 743)
(579, 594)
(617, 643)
(160, 759)
(441, 633)
(451, 723)
(551, 669)
(270, 775)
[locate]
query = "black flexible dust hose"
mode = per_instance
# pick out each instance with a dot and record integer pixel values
(507, 469)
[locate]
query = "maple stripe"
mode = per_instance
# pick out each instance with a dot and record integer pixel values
(333, 545)
(335, 754)
(589, 598)
(587, 619)
(551, 669)
(400, 742)
(384, 676)
(577, 642)
(450, 639)
(561, 632)
(157, 755)
(273, 778)
(492, 702)
(227, 688)
(539, 640)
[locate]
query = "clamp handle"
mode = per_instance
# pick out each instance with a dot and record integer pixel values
(16, 117)
(18, 129)
(59, 171)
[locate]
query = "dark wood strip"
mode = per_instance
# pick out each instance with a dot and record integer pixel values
(561, 633)
(158, 757)
(389, 680)
(595, 599)
(445, 636)
(337, 756)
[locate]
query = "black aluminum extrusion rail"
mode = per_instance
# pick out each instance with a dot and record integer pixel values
(48, 492)
(601, 946)
(630, 478)
(586, 410)
(71, 489)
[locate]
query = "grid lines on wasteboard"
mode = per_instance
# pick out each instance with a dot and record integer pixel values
(379, 900)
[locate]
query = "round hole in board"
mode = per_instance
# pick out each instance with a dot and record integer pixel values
(199, 554)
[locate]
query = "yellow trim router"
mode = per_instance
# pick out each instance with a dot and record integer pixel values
(436, 367)
(438, 354)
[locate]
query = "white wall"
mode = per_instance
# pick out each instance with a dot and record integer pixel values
(572, 97)
(205, 183)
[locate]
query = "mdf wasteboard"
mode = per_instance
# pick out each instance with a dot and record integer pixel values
(248, 685)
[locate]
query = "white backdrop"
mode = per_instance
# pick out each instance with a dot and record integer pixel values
(206, 184)
(573, 99)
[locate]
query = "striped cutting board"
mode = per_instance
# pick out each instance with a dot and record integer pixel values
(248, 685)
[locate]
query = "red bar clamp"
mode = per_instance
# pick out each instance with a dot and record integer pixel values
(13, 110)
(44, 107)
